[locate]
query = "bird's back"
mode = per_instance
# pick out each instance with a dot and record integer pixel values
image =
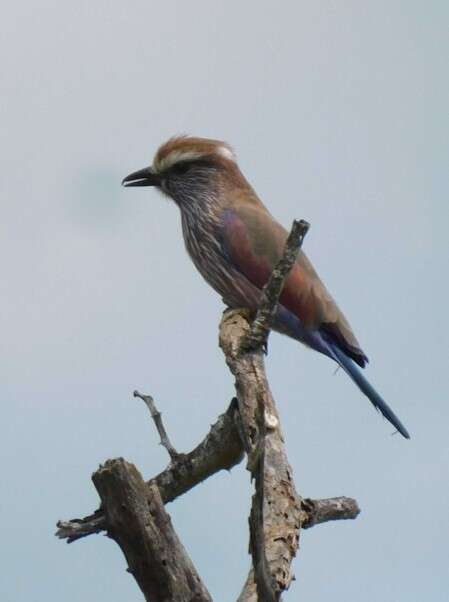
(254, 242)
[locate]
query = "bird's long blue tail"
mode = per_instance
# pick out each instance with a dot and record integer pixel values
(354, 372)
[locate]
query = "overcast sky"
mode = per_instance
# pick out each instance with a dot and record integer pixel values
(338, 112)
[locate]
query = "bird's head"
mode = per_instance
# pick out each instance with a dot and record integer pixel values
(184, 167)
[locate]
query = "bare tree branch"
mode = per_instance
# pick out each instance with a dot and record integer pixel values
(157, 418)
(260, 328)
(281, 515)
(77, 528)
(273, 542)
(220, 449)
(267, 588)
(313, 512)
(249, 591)
(132, 511)
(317, 512)
(138, 522)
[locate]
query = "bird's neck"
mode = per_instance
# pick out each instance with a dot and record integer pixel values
(200, 203)
(201, 218)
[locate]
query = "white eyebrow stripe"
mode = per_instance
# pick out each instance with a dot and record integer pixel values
(177, 156)
(226, 152)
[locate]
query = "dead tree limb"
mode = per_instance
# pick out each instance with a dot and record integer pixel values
(313, 512)
(138, 522)
(260, 327)
(316, 512)
(275, 518)
(157, 418)
(132, 511)
(281, 518)
(221, 449)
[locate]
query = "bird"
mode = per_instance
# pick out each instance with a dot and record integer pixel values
(235, 242)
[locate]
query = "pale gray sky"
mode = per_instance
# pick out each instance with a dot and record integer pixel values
(339, 114)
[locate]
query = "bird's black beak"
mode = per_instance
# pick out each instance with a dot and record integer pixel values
(143, 177)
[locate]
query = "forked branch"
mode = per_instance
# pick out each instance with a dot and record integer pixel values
(133, 513)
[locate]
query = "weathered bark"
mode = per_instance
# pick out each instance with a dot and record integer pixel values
(132, 511)
(316, 512)
(276, 511)
(313, 512)
(221, 449)
(275, 518)
(138, 522)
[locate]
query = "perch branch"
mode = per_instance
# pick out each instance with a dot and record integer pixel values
(157, 418)
(260, 328)
(275, 517)
(132, 511)
(277, 526)
(138, 522)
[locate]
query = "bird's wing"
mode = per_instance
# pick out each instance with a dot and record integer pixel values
(254, 243)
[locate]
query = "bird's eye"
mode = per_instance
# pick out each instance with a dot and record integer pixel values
(181, 168)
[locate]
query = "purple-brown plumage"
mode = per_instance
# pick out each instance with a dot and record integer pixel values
(235, 243)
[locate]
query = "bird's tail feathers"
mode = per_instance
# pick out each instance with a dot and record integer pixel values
(354, 372)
